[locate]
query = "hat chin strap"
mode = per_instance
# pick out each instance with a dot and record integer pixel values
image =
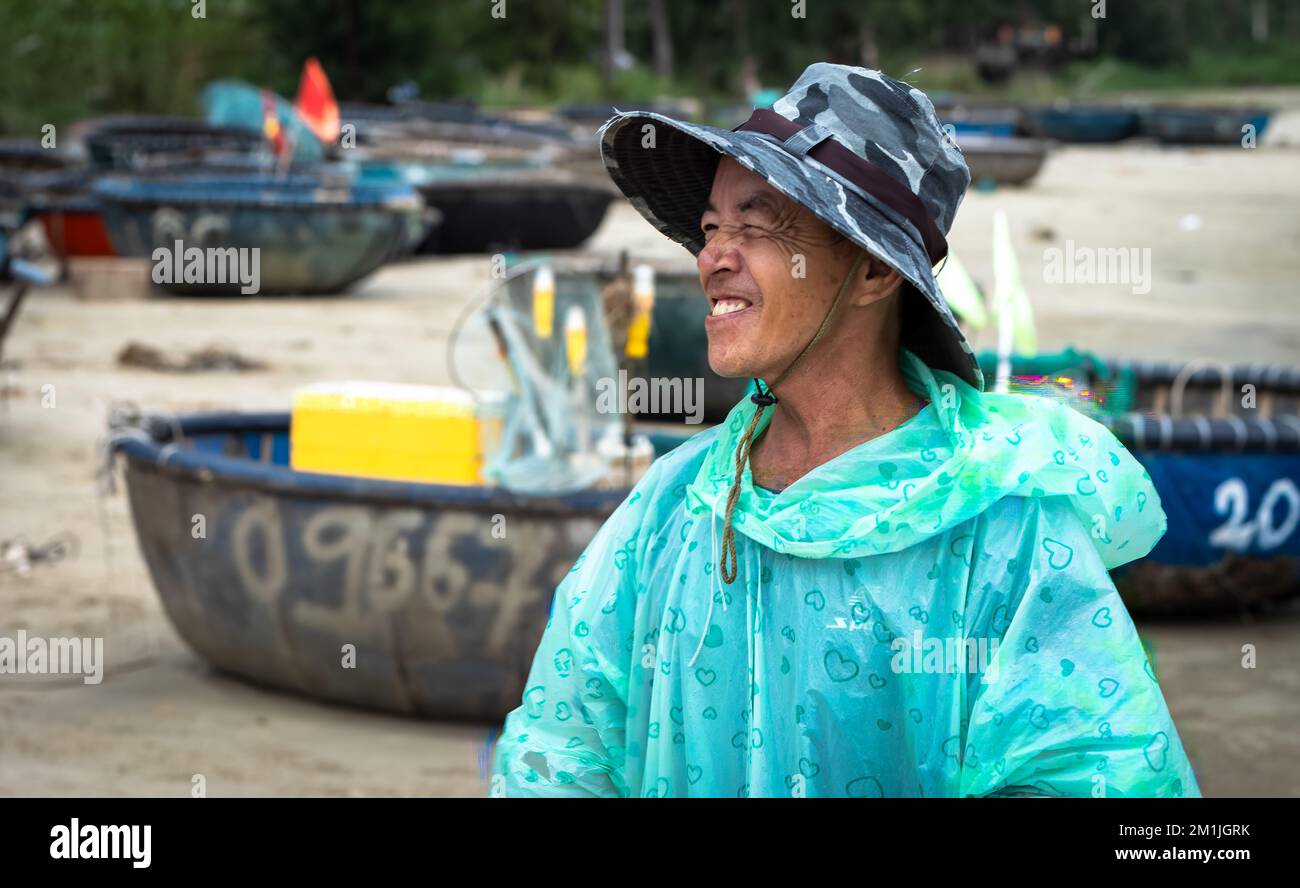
(766, 399)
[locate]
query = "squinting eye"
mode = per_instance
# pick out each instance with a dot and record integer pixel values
(746, 228)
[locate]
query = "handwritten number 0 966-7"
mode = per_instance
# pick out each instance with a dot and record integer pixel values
(381, 574)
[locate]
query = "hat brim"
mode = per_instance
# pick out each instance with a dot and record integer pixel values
(669, 181)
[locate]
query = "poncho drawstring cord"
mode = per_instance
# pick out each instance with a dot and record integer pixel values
(766, 399)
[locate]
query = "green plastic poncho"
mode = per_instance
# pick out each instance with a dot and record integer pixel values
(927, 614)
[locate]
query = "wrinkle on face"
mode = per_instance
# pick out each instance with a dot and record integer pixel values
(767, 248)
(789, 227)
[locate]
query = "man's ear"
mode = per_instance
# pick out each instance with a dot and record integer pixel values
(877, 280)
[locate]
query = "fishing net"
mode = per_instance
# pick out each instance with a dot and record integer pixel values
(559, 432)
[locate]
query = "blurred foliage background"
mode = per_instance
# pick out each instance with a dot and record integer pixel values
(65, 59)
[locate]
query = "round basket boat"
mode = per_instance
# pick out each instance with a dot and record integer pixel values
(1004, 161)
(1203, 126)
(1081, 123)
(515, 213)
(439, 593)
(1222, 445)
(139, 142)
(316, 234)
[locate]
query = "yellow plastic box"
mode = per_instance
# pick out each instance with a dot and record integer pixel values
(394, 431)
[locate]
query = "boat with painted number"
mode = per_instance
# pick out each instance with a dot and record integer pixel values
(439, 593)
(1222, 445)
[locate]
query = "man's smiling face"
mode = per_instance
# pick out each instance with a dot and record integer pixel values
(757, 240)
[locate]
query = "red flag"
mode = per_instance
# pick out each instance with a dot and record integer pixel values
(315, 102)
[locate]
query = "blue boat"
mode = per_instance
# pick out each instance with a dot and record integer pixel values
(296, 569)
(1002, 129)
(968, 118)
(1227, 469)
(1231, 490)
(1228, 475)
(1203, 126)
(1081, 123)
(316, 233)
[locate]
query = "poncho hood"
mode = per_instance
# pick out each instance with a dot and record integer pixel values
(960, 454)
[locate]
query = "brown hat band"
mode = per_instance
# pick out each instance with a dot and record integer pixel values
(862, 173)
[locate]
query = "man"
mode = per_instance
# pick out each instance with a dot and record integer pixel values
(872, 579)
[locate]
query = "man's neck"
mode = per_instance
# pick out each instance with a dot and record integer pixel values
(830, 404)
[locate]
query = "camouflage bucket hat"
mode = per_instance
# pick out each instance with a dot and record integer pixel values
(862, 151)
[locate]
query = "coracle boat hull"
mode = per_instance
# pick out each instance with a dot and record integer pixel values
(315, 236)
(487, 215)
(438, 593)
(1203, 126)
(1081, 123)
(1003, 161)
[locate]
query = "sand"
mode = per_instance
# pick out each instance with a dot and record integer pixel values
(1223, 229)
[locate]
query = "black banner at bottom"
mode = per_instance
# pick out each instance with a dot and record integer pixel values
(333, 838)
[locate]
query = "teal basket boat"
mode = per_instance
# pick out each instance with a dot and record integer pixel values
(316, 234)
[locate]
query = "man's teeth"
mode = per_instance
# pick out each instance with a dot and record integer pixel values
(727, 306)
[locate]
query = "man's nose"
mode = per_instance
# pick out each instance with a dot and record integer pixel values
(718, 255)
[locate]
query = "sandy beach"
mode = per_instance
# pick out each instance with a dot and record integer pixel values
(1223, 230)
